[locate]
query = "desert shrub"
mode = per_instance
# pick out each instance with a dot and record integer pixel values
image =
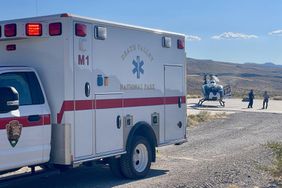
(276, 148)
(278, 98)
(193, 96)
(203, 116)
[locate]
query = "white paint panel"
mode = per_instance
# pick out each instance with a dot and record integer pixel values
(173, 114)
(144, 113)
(83, 119)
(83, 133)
(109, 137)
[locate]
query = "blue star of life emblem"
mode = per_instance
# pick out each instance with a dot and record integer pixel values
(138, 70)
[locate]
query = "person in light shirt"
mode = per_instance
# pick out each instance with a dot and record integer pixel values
(265, 100)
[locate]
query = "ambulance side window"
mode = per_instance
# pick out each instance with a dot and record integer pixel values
(26, 84)
(35, 89)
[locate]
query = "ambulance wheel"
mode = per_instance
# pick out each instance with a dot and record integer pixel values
(114, 164)
(137, 162)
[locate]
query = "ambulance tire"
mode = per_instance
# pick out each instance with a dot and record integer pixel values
(114, 164)
(137, 162)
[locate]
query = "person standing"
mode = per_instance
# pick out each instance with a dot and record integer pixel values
(265, 100)
(251, 99)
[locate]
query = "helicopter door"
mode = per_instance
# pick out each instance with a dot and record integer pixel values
(175, 108)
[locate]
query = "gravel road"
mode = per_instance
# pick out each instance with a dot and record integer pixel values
(221, 153)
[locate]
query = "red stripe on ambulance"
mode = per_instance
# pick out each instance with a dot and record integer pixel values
(115, 103)
(44, 120)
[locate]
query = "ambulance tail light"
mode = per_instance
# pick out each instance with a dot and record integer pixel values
(55, 29)
(10, 30)
(80, 30)
(180, 44)
(33, 29)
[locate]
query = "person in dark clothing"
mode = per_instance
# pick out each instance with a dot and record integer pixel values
(251, 99)
(265, 100)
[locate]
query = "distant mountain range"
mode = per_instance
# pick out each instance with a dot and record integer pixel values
(267, 64)
(241, 77)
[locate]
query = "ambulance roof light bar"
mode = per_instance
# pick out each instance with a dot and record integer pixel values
(65, 15)
(10, 30)
(55, 29)
(33, 29)
(80, 29)
(180, 44)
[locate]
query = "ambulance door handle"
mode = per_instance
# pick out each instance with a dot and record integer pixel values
(179, 102)
(118, 121)
(179, 124)
(34, 118)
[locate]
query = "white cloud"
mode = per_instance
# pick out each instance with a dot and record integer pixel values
(232, 35)
(193, 38)
(276, 33)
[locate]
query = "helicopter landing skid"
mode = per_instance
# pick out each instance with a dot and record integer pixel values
(201, 101)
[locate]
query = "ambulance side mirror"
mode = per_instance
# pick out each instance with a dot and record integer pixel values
(9, 99)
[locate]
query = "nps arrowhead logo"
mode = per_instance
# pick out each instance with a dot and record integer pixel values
(14, 130)
(138, 67)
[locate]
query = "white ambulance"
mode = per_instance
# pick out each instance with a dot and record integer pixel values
(74, 90)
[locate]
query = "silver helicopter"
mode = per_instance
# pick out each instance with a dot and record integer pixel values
(213, 91)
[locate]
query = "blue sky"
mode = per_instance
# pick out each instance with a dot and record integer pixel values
(227, 30)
